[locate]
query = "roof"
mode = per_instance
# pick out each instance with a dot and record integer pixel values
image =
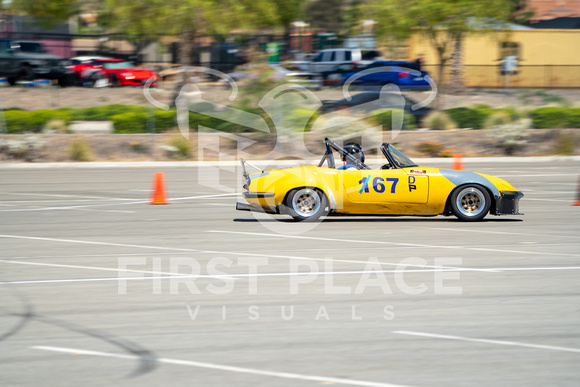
(567, 23)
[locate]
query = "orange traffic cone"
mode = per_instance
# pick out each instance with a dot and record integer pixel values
(159, 196)
(458, 161)
(578, 196)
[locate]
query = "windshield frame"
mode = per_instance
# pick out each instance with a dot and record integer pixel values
(114, 65)
(396, 157)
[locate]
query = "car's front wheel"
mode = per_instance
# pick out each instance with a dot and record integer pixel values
(470, 202)
(307, 204)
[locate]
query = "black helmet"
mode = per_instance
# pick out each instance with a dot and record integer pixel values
(354, 149)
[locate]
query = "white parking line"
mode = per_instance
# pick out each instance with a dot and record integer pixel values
(541, 175)
(550, 200)
(502, 232)
(91, 268)
(63, 196)
(395, 243)
(487, 341)
(246, 275)
(235, 253)
(221, 367)
(95, 243)
(116, 204)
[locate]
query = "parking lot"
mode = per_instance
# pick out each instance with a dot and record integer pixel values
(98, 287)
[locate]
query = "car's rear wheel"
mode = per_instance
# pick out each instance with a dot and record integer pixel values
(307, 204)
(470, 202)
(115, 81)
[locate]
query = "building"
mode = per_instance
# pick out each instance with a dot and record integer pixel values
(546, 57)
(551, 9)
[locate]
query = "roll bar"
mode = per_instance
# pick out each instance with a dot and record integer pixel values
(329, 157)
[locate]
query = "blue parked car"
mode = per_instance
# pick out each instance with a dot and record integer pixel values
(405, 75)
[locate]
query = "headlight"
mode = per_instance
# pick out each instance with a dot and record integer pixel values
(128, 76)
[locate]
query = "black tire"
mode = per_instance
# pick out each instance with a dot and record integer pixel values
(307, 204)
(27, 74)
(65, 81)
(470, 202)
(115, 81)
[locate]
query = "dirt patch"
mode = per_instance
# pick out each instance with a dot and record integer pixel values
(156, 147)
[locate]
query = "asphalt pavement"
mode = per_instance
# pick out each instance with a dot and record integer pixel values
(97, 287)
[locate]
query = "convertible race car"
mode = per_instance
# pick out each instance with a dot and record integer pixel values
(400, 187)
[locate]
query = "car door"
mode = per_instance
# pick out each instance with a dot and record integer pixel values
(8, 62)
(327, 62)
(315, 64)
(385, 186)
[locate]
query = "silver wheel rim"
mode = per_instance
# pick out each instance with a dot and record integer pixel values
(470, 202)
(306, 202)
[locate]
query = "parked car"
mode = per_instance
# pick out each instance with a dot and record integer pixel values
(123, 73)
(405, 75)
(330, 59)
(29, 60)
(85, 74)
(294, 75)
(366, 102)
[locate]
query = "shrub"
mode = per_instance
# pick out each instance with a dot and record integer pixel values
(164, 120)
(566, 144)
(549, 117)
(18, 121)
(138, 147)
(105, 113)
(130, 123)
(183, 146)
(574, 118)
(511, 136)
(430, 148)
(466, 117)
(202, 107)
(440, 121)
(79, 150)
(55, 125)
(28, 149)
(384, 117)
(498, 118)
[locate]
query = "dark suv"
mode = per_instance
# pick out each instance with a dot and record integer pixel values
(29, 60)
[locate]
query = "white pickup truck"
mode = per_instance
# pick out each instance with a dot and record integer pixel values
(330, 59)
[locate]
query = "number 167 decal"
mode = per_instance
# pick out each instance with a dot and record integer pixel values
(378, 184)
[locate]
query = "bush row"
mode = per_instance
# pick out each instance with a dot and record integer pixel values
(126, 118)
(553, 117)
(542, 118)
(140, 119)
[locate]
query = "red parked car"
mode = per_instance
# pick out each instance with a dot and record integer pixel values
(123, 73)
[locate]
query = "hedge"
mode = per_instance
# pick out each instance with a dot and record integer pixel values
(555, 117)
(384, 117)
(470, 117)
(136, 122)
(19, 121)
(104, 113)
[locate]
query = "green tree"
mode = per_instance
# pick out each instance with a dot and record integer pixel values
(325, 14)
(520, 14)
(445, 23)
(47, 11)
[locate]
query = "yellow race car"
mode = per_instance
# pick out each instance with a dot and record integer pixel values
(399, 187)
